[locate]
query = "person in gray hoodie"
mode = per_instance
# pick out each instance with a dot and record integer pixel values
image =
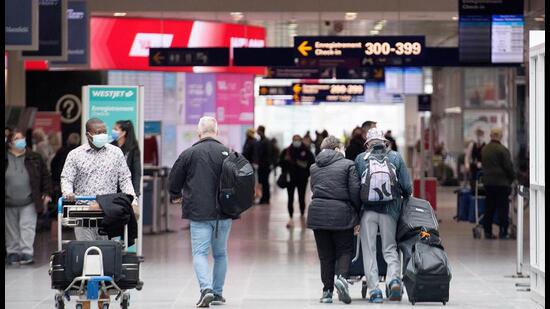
(333, 214)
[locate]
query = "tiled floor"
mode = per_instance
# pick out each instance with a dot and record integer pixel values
(272, 267)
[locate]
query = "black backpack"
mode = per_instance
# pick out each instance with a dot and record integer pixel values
(237, 182)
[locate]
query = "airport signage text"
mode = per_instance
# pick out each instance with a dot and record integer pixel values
(189, 57)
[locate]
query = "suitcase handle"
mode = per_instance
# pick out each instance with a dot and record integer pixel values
(77, 198)
(357, 248)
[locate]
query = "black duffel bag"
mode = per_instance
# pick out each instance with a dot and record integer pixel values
(416, 214)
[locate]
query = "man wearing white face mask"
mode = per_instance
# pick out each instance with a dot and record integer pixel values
(95, 168)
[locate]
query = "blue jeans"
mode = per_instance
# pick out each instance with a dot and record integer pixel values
(203, 235)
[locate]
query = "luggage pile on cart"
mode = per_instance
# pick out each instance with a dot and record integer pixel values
(91, 270)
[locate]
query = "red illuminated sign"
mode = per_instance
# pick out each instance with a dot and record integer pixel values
(123, 43)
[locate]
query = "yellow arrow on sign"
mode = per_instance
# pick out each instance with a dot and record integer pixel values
(157, 58)
(303, 48)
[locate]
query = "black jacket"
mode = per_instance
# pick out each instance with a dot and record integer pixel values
(197, 172)
(133, 160)
(336, 201)
(356, 146)
(56, 166)
(250, 150)
(296, 162)
(118, 212)
(263, 153)
(39, 177)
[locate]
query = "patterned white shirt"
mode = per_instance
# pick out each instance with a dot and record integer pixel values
(88, 171)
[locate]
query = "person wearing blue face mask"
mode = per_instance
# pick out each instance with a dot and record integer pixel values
(124, 137)
(27, 191)
(95, 168)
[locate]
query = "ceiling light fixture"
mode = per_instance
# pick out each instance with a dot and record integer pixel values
(237, 15)
(454, 18)
(378, 27)
(539, 18)
(374, 32)
(119, 14)
(351, 15)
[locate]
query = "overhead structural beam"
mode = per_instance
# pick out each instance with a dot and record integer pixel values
(272, 6)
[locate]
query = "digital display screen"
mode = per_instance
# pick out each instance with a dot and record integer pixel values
(474, 40)
(394, 80)
(413, 80)
(507, 39)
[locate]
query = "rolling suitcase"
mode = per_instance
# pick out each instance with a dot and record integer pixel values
(129, 278)
(428, 275)
(463, 204)
(416, 214)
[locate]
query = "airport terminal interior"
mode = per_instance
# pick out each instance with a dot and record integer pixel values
(123, 105)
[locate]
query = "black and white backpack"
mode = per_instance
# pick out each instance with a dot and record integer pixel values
(379, 180)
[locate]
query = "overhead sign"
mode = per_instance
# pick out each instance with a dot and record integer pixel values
(78, 35)
(490, 31)
(342, 92)
(124, 43)
(366, 73)
(52, 32)
(424, 103)
(365, 48)
(21, 24)
(152, 127)
(166, 57)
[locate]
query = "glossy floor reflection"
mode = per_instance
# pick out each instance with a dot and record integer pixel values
(273, 267)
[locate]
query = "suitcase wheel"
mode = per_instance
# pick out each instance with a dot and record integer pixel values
(444, 303)
(59, 304)
(105, 306)
(364, 290)
(477, 233)
(78, 306)
(412, 302)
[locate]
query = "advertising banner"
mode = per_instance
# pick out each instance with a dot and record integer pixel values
(49, 122)
(52, 32)
(200, 97)
(21, 24)
(123, 43)
(235, 99)
(78, 35)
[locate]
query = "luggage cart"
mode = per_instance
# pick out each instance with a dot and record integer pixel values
(478, 228)
(87, 286)
(362, 278)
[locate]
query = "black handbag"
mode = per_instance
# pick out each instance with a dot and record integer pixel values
(282, 180)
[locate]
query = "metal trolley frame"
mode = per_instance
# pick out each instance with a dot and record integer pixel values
(87, 286)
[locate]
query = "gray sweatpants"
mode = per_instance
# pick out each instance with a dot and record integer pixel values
(88, 233)
(20, 229)
(370, 221)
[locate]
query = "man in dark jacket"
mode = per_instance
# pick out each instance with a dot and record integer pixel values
(332, 214)
(197, 173)
(356, 144)
(498, 175)
(264, 164)
(27, 190)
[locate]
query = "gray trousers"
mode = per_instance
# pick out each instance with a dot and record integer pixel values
(370, 221)
(20, 229)
(88, 233)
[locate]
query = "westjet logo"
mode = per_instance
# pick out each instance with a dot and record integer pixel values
(112, 94)
(144, 41)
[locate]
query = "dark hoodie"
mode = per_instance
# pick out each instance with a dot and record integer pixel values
(336, 201)
(356, 146)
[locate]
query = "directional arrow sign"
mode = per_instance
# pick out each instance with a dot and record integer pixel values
(189, 56)
(303, 48)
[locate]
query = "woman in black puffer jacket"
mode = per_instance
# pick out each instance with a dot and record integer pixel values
(333, 214)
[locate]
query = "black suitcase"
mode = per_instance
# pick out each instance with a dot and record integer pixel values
(416, 214)
(70, 261)
(129, 278)
(356, 269)
(428, 275)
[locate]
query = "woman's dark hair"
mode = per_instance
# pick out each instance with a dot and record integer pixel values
(11, 135)
(128, 127)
